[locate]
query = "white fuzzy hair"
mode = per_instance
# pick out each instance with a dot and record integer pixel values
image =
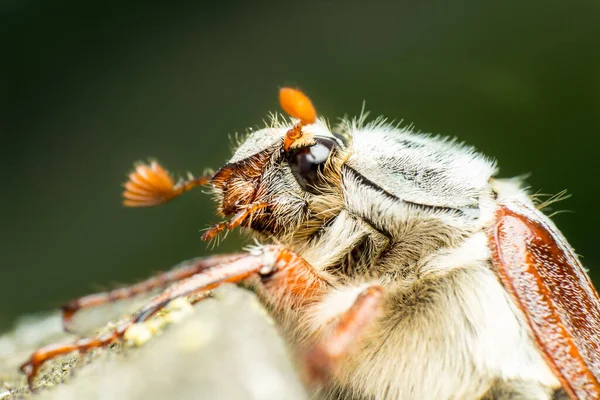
(417, 207)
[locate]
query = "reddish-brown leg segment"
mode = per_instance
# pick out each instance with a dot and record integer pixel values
(182, 271)
(234, 222)
(323, 358)
(272, 264)
(39, 357)
(281, 273)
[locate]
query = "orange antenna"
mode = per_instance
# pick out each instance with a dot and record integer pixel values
(297, 105)
(150, 185)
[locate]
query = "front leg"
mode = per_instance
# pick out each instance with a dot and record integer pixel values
(280, 270)
(281, 276)
(342, 334)
(160, 280)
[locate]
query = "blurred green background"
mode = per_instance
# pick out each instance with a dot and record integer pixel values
(89, 87)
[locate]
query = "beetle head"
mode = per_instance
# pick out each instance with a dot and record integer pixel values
(300, 183)
(288, 167)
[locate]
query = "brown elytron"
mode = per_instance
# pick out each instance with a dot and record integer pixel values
(557, 298)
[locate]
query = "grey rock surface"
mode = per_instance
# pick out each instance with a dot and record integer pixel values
(227, 348)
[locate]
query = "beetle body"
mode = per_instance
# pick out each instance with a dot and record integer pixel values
(411, 213)
(399, 260)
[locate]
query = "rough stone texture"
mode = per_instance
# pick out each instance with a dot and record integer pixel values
(227, 348)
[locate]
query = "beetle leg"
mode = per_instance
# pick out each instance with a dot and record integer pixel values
(278, 272)
(265, 263)
(182, 271)
(48, 352)
(234, 222)
(322, 358)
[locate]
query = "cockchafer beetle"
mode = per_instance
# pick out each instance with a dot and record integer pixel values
(400, 266)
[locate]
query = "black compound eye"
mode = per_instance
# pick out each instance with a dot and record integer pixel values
(307, 163)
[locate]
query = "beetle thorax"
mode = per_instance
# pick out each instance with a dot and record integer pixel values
(357, 221)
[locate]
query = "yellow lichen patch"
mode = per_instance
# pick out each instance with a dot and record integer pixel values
(174, 312)
(138, 334)
(177, 309)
